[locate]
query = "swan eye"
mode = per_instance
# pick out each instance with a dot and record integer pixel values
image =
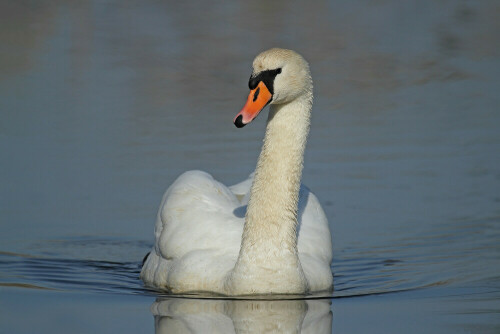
(267, 77)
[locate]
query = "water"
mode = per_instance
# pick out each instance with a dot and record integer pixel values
(103, 104)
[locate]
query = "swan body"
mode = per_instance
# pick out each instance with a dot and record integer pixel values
(265, 235)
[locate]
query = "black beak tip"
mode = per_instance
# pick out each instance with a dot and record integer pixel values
(239, 121)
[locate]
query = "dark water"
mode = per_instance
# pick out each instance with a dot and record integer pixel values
(104, 103)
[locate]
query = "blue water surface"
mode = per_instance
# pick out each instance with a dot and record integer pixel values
(104, 103)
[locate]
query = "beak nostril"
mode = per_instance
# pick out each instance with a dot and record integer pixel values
(239, 121)
(256, 94)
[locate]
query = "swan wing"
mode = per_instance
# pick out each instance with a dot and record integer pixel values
(314, 241)
(242, 190)
(197, 235)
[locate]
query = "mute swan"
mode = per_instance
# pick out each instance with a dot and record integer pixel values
(283, 244)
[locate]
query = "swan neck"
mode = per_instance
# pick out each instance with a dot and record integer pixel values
(271, 219)
(268, 258)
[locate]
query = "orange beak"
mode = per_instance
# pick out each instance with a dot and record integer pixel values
(257, 100)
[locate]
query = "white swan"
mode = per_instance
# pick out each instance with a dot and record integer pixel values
(204, 240)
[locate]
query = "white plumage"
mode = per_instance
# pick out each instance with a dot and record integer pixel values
(207, 240)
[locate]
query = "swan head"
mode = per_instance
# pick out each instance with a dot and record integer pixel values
(279, 76)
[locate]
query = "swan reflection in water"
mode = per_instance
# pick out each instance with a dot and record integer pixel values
(178, 315)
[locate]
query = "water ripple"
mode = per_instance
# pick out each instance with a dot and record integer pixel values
(433, 258)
